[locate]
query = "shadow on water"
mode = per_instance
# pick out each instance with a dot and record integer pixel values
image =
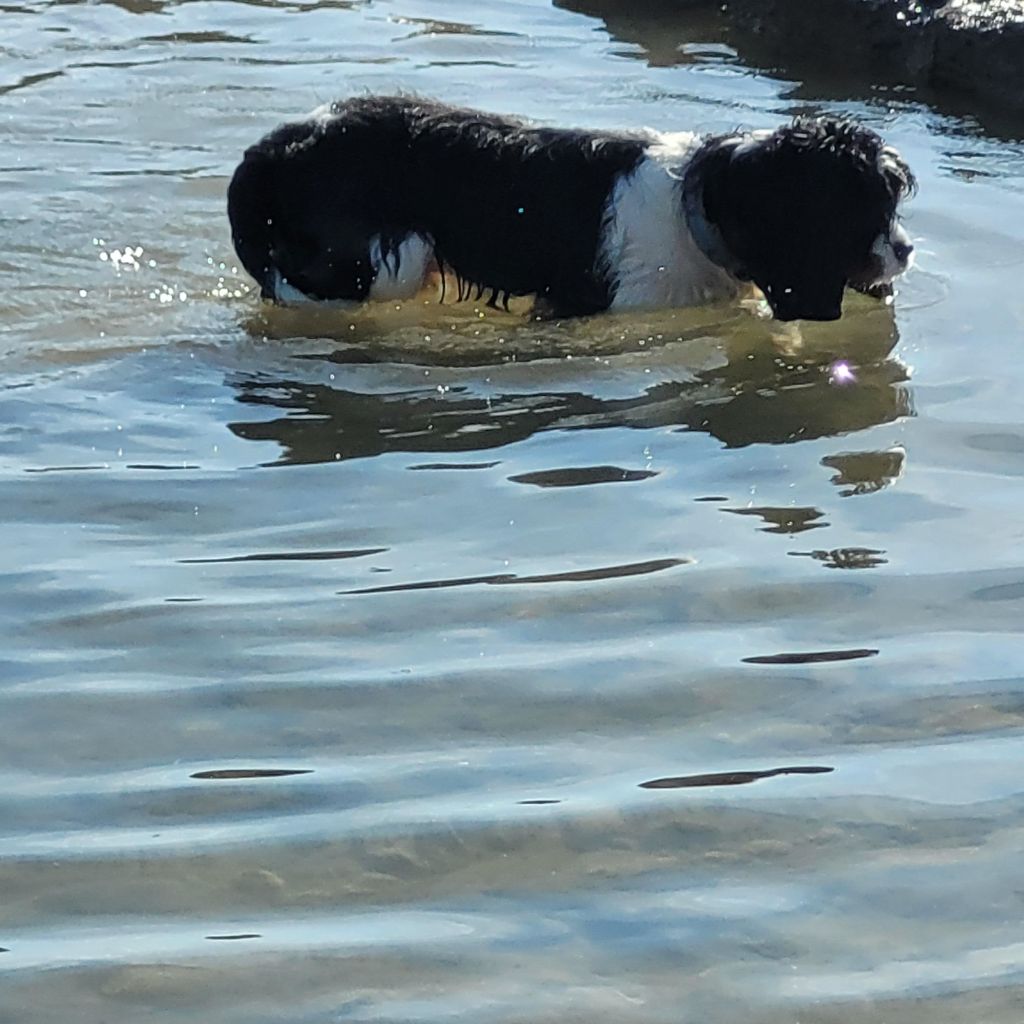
(725, 379)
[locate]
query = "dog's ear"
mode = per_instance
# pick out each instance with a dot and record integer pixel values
(709, 193)
(251, 210)
(715, 166)
(898, 176)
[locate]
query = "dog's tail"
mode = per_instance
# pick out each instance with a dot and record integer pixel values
(251, 211)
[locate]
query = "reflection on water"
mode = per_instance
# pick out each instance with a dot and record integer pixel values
(666, 33)
(581, 476)
(757, 391)
(731, 778)
(610, 572)
(846, 558)
(249, 773)
(809, 657)
(787, 519)
(287, 556)
(865, 472)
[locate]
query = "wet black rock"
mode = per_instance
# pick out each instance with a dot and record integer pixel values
(975, 47)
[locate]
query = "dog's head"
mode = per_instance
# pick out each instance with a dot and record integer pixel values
(284, 224)
(802, 211)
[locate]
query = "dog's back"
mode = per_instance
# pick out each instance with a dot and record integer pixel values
(332, 204)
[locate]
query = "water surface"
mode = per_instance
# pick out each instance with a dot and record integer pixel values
(432, 664)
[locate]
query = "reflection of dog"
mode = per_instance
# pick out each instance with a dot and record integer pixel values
(365, 198)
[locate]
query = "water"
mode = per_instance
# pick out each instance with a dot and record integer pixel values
(337, 651)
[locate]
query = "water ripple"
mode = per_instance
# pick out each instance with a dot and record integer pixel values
(611, 572)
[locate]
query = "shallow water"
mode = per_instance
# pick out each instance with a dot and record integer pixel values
(423, 664)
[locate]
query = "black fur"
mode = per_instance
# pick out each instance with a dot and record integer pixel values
(799, 210)
(516, 209)
(512, 209)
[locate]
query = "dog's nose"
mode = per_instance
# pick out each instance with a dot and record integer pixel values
(902, 250)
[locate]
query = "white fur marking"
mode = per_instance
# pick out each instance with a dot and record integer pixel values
(646, 246)
(286, 293)
(323, 113)
(890, 265)
(401, 277)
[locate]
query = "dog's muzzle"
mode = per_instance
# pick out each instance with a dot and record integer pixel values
(891, 255)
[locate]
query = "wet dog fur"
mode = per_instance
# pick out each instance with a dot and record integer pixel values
(366, 198)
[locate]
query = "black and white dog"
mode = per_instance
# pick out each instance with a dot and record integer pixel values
(365, 199)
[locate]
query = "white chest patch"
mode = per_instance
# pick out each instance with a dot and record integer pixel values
(646, 247)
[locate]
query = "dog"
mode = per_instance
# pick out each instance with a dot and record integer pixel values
(367, 198)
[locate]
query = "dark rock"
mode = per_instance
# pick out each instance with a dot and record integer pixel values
(949, 53)
(979, 49)
(975, 47)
